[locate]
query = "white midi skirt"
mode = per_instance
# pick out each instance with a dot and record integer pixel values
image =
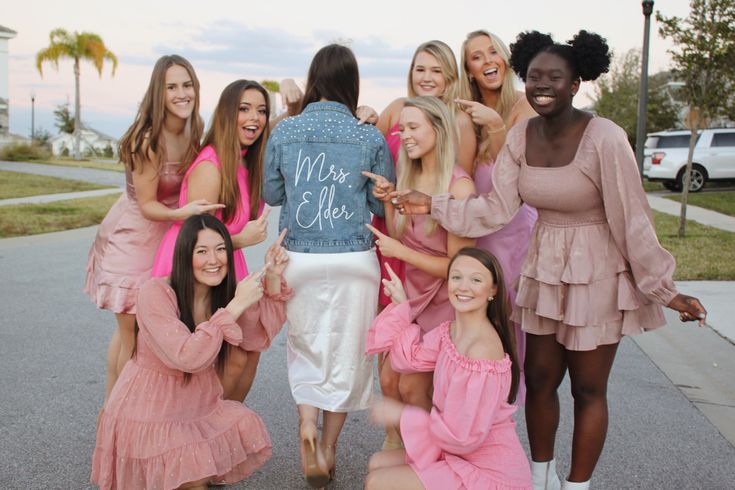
(334, 303)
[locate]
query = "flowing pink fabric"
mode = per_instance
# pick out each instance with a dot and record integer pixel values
(165, 255)
(158, 431)
(595, 270)
(469, 439)
(122, 255)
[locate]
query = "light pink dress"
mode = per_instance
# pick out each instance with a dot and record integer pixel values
(165, 255)
(595, 270)
(510, 246)
(121, 257)
(427, 294)
(394, 144)
(157, 431)
(469, 439)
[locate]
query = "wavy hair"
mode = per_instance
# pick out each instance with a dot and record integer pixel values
(448, 63)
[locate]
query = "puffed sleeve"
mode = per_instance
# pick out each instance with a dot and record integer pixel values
(274, 190)
(629, 216)
(393, 331)
(463, 424)
(263, 320)
(170, 339)
(481, 215)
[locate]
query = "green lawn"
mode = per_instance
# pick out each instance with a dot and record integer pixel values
(68, 162)
(16, 184)
(705, 253)
(32, 219)
(722, 202)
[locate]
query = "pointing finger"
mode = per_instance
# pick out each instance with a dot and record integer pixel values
(466, 103)
(281, 237)
(393, 275)
(265, 214)
(375, 231)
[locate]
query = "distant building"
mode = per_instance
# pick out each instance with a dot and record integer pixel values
(5, 136)
(92, 143)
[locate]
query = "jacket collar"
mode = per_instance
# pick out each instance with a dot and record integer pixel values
(327, 106)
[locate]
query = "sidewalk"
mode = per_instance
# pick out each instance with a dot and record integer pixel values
(694, 213)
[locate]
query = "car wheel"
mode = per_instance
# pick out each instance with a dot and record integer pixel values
(697, 179)
(673, 186)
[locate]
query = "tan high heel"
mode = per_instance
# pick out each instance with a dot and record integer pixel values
(332, 465)
(313, 473)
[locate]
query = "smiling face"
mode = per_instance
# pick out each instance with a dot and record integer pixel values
(470, 284)
(180, 93)
(417, 135)
(251, 116)
(550, 85)
(427, 77)
(209, 260)
(485, 64)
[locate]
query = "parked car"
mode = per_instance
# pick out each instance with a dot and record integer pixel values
(666, 152)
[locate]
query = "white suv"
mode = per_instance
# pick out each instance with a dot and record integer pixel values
(666, 157)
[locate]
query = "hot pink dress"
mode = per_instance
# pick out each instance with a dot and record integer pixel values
(394, 144)
(469, 439)
(595, 270)
(121, 257)
(165, 255)
(427, 294)
(509, 245)
(157, 431)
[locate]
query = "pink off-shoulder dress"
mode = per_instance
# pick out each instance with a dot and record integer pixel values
(595, 270)
(157, 431)
(122, 255)
(165, 256)
(469, 439)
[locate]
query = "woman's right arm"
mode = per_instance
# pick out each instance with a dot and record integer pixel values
(389, 117)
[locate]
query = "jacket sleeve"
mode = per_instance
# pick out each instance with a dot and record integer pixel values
(630, 219)
(382, 165)
(481, 215)
(274, 191)
(170, 339)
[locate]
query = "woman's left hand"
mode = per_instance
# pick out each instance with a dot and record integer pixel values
(290, 92)
(386, 412)
(481, 114)
(382, 187)
(689, 308)
(389, 247)
(366, 114)
(276, 256)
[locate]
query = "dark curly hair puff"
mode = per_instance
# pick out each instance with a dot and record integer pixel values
(586, 53)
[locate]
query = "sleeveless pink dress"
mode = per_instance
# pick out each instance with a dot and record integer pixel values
(165, 255)
(394, 144)
(121, 257)
(427, 294)
(468, 440)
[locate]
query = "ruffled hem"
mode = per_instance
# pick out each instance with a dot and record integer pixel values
(487, 365)
(228, 445)
(110, 292)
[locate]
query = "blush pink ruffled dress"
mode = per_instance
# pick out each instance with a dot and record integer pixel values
(122, 255)
(158, 432)
(595, 270)
(165, 256)
(427, 294)
(468, 440)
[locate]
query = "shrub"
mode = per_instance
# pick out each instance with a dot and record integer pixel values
(21, 152)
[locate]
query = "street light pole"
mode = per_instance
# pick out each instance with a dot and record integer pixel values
(33, 117)
(640, 138)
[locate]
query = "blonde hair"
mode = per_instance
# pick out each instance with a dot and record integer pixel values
(448, 64)
(144, 134)
(470, 91)
(442, 122)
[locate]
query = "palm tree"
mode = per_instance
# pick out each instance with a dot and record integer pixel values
(77, 46)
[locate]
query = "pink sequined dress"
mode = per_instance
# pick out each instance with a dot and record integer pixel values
(510, 246)
(158, 431)
(121, 257)
(427, 294)
(595, 270)
(468, 440)
(393, 140)
(165, 255)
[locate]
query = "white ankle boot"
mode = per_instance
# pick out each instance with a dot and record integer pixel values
(573, 485)
(544, 477)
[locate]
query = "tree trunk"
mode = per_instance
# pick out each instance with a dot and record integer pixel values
(693, 126)
(77, 113)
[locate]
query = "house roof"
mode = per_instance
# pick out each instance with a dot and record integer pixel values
(7, 33)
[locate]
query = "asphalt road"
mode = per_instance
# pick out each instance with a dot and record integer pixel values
(52, 366)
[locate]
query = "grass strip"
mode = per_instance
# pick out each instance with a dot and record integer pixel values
(722, 202)
(17, 184)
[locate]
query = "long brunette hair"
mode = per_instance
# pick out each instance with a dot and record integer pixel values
(334, 76)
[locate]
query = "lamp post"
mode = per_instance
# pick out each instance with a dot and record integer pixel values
(640, 135)
(33, 117)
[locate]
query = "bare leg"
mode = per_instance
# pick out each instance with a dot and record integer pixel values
(588, 373)
(248, 375)
(385, 459)
(233, 372)
(126, 327)
(331, 428)
(389, 387)
(312, 458)
(416, 389)
(400, 477)
(195, 485)
(113, 351)
(545, 368)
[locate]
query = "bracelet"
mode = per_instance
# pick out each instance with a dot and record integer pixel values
(501, 128)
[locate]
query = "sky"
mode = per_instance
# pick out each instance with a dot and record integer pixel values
(226, 40)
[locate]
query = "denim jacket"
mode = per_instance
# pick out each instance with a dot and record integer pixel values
(313, 165)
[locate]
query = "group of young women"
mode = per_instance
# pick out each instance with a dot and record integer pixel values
(192, 320)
